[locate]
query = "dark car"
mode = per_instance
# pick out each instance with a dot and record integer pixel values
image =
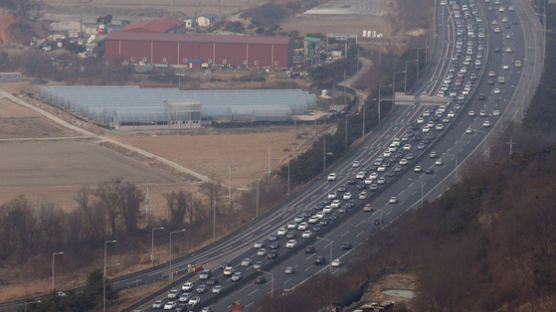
(482, 97)
(377, 221)
(260, 280)
(333, 217)
(290, 235)
(360, 186)
(390, 173)
(323, 222)
(310, 249)
(347, 246)
(373, 168)
(429, 171)
(306, 214)
(272, 255)
(316, 228)
(181, 307)
(211, 282)
(320, 260)
(342, 188)
(350, 181)
(319, 206)
(350, 204)
(274, 245)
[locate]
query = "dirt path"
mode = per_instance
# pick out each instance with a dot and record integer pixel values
(367, 64)
(85, 133)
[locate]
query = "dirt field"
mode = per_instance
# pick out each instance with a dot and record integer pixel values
(53, 171)
(19, 122)
(212, 154)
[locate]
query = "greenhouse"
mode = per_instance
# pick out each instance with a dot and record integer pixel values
(116, 106)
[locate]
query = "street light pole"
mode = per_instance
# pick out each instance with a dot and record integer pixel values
(152, 242)
(106, 242)
(170, 274)
(422, 189)
(331, 244)
(323, 153)
(363, 117)
(289, 160)
(455, 157)
(54, 272)
(271, 280)
(29, 302)
(257, 206)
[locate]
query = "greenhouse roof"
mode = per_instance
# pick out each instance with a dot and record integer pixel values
(134, 103)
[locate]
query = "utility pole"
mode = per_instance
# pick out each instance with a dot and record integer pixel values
(54, 272)
(257, 206)
(511, 144)
(346, 133)
(289, 177)
(230, 186)
(269, 149)
(147, 205)
(104, 274)
(323, 152)
(363, 118)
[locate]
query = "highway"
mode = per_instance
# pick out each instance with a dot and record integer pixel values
(463, 135)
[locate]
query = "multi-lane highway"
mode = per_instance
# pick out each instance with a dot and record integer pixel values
(477, 43)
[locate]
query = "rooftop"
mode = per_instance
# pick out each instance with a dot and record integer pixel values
(197, 38)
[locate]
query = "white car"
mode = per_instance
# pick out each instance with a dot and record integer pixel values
(261, 253)
(312, 220)
(216, 289)
(292, 226)
(407, 147)
(319, 215)
(170, 305)
(327, 209)
(306, 234)
(356, 163)
(332, 177)
(256, 245)
(368, 181)
(471, 113)
(184, 297)
(403, 162)
(496, 91)
(298, 219)
(236, 276)
(245, 262)
(495, 112)
(418, 169)
(194, 301)
(336, 263)
(332, 195)
(360, 175)
(281, 231)
(173, 294)
(291, 243)
(302, 226)
(381, 169)
(347, 196)
(157, 304)
(363, 195)
(373, 176)
(229, 270)
(187, 286)
(438, 162)
(468, 131)
(486, 123)
(386, 154)
(335, 203)
(393, 200)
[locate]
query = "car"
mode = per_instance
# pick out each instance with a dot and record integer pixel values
(495, 112)
(216, 289)
(336, 263)
(335, 203)
(508, 50)
(407, 147)
(261, 252)
(187, 286)
(347, 196)
(320, 260)
(363, 195)
(259, 244)
(433, 154)
(157, 304)
(289, 270)
(482, 113)
(211, 282)
(306, 234)
(417, 169)
(193, 301)
(245, 262)
(181, 307)
(429, 171)
(373, 187)
(324, 222)
(260, 280)
(341, 189)
(351, 181)
(332, 176)
(471, 113)
(290, 235)
(310, 249)
(297, 219)
(420, 146)
(291, 243)
(356, 163)
(205, 274)
(393, 200)
(170, 305)
(381, 180)
(486, 123)
(438, 162)
(281, 231)
(173, 294)
(373, 176)
(319, 215)
(302, 226)
(272, 237)
(236, 276)
(347, 246)
(201, 289)
(332, 195)
(468, 131)
(368, 208)
(257, 265)
(184, 297)
(312, 220)
(292, 226)
(206, 309)
(230, 270)
(368, 181)
(274, 245)
(271, 255)
(361, 175)
(439, 127)
(403, 162)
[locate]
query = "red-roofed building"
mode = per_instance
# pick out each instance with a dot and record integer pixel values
(191, 50)
(162, 25)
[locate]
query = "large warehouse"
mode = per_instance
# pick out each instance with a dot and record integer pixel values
(194, 50)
